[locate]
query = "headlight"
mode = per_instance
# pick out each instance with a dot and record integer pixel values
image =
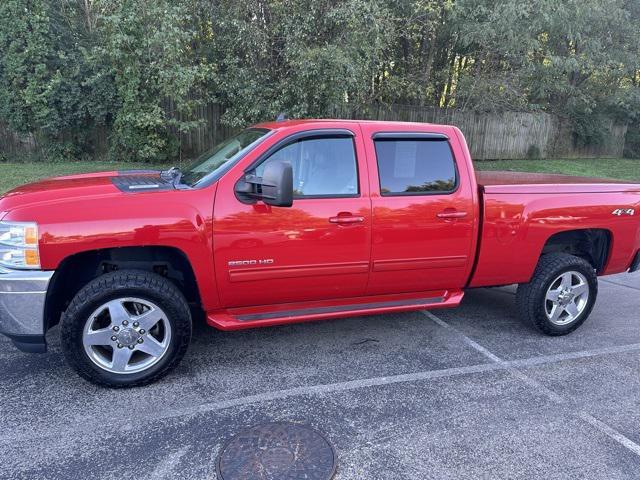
(19, 245)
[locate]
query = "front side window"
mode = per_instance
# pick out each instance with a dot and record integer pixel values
(321, 166)
(410, 166)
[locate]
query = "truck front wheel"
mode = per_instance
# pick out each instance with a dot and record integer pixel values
(126, 328)
(560, 295)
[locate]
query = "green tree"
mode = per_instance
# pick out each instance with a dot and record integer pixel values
(148, 46)
(43, 68)
(136, 71)
(302, 57)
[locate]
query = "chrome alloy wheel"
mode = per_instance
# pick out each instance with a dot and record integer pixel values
(126, 335)
(566, 297)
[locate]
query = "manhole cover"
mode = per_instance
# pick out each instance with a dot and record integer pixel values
(277, 451)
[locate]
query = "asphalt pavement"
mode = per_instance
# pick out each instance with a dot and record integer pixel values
(471, 392)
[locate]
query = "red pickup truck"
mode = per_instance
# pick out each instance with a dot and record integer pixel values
(293, 221)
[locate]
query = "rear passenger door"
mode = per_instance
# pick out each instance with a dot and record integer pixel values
(422, 213)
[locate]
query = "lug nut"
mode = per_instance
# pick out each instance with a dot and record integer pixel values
(131, 347)
(140, 340)
(136, 324)
(125, 322)
(116, 328)
(114, 338)
(142, 331)
(120, 345)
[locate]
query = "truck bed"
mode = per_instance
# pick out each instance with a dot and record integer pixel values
(521, 211)
(525, 182)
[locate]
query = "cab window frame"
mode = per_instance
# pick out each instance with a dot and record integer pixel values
(312, 135)
(415, 136)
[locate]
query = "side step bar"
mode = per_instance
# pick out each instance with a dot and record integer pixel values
(251, 317)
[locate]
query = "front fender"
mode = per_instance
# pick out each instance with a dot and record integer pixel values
(179, 219)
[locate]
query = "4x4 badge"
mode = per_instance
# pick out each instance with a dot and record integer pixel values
(623, 211)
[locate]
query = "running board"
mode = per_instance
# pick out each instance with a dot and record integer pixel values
(282, 314)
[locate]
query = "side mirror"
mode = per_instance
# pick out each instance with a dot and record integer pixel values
(275, 187)
(277, 184)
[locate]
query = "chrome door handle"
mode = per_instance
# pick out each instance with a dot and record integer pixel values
(451, 215)
(346, 219)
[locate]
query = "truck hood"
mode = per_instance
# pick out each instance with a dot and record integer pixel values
(72, 187)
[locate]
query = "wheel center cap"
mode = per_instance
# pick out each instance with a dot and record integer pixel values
(128, 336)
(565, 297)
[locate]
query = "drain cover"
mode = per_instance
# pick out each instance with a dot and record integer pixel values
(277, 451)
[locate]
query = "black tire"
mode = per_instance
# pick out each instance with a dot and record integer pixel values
(121, 284)
(530, 297)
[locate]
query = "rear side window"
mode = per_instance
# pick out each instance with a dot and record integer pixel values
(414, 167)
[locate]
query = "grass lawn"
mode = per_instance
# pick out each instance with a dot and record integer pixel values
(14, 174)
(619, 168)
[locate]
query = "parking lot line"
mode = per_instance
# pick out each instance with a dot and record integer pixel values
(511, 368)
(496, 364)
(618, 284)
(473, 344)
(614, 434)
(330, 388)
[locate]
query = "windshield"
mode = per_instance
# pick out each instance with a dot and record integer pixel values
(222, 156)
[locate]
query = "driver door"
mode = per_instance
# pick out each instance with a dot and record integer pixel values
(318, 248)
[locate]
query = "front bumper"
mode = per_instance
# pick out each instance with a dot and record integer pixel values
(22, 301)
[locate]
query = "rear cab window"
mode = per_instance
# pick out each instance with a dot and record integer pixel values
(415, 165)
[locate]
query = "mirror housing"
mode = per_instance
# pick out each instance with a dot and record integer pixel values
(275, 187)
(277, 184)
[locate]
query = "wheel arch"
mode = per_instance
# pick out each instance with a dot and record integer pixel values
(591, 244)
(78, 269)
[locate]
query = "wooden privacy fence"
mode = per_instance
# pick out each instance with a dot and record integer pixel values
(509, 135)
(203, 137)
(13, 144)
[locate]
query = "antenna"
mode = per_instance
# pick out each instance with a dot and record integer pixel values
(282, 117)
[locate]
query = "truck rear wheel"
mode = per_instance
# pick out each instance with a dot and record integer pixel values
(560, 295)
(126, 328)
